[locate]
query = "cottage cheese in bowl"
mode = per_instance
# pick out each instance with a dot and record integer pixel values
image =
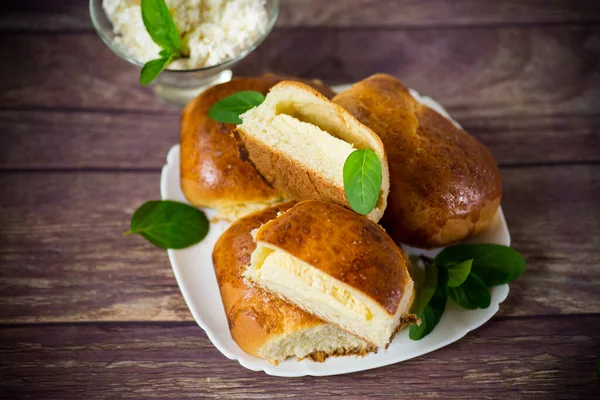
(212, 31)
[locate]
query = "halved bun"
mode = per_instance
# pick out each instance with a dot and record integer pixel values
(298, 141)
(212, 173)
(444, 184)
(337, 265)
(261, 323)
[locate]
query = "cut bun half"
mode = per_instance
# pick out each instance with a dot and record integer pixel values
(260, 322)
(298, 140)
(338, 266)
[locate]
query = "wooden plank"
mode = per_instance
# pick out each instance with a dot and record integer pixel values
(552, 214)
(42, 139)
(63, 257)
(492, 72)
(407, 13)
(537, 139)
(46, 15)
(525, 358)
(61, 15)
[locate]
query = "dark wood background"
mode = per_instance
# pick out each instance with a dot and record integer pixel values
(86, 313)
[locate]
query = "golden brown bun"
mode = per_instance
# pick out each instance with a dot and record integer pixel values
(292, 177)
(444, 184)
(257, 318)
(347, 247)
(253, 314)
(212, 173)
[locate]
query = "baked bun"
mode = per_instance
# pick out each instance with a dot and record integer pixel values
(261, 323)
(212, 174)
(337, 265)
(445, 185)
(298, 141)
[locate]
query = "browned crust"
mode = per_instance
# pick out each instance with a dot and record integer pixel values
(212, 173)
(408, 319)
(293, 179)
(444, 184)
(321, 356)
(344, 245)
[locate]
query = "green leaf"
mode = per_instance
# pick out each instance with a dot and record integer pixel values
(472, 294)
(440, 289)
(458, 273)
(160, 25)
(151, 69)
(494, 264)
(169, 224)
(432, 313)
(426, 288)
(362, 180)
(228, 109)
(430, 316)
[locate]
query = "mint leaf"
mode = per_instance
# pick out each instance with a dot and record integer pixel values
(432, 313)
(161, 28)
(458, 273)
(426, 288)
(228, 109)
(160, 25)
(430, 316)
(494, 264)
(169, 224)
(151, 69)
(362, 180)
(472, 294)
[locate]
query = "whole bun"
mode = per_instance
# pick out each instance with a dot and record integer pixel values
(444, 184)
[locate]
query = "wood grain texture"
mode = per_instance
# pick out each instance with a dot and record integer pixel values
(524, 358)
(72, 15)
(491, 72)
(63, 257)
(80, 139)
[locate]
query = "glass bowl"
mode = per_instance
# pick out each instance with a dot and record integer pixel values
(180, 86)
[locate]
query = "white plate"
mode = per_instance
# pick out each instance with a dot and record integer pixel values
(195, 275)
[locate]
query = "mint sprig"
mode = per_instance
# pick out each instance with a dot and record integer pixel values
(493, 263)
(465, 272)
(160, 26)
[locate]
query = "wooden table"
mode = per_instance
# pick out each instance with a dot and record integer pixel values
(86, 313)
